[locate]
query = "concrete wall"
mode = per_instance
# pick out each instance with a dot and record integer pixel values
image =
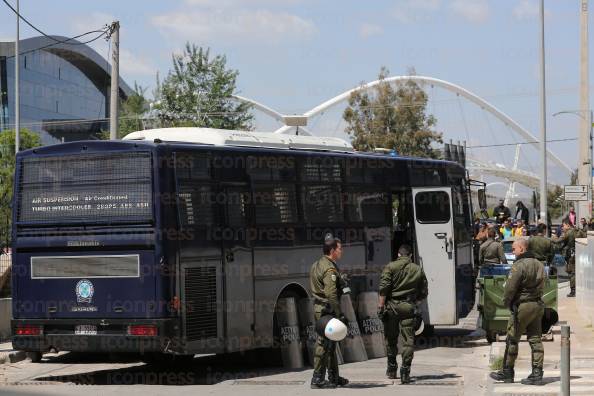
(5, 315)
(584, 277)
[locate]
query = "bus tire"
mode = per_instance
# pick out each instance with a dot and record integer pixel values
(491, 337)
(34, 356)
(428, 331)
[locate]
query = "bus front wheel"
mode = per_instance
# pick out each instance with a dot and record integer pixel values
(35, 356)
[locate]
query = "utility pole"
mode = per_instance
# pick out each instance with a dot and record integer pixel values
(115, 75)
(584, 139)
(543, 122)
(17, 99)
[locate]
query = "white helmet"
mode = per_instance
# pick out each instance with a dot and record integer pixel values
(335, 330)
(420, 326)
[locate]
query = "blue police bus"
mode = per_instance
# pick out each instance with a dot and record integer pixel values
(181, 241)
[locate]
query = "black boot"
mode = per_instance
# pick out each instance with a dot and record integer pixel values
(336, 380)
(535, 378)
(572, 292)
(392, 372)
(504, 375)
(392, 369)
(405, 375)
(318, 381)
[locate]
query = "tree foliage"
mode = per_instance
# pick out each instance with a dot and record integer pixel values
(28, 140)
(392, 118)
(131, 112)
(198, 92)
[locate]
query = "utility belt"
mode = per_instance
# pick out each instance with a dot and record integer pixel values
(411, 298)
(532, 299)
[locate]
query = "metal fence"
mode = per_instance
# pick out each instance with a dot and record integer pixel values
(584, 277)
(5, 264)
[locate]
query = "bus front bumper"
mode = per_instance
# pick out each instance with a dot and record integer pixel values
(112, 335)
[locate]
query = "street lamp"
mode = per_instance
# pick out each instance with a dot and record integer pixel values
(586, 162)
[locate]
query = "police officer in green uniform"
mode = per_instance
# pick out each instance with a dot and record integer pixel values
(540, 246)
(491, 251)
(402, 285)
(523, 294)
(325, 285)
(566, 244)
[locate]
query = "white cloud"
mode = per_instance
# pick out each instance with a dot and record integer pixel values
(368, 29)
(234, 24)
(526, 9)
(410, 11)
(92, 21)
(475, 11)
(131, 64)
(134, 65)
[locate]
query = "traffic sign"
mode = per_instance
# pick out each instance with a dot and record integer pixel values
(576, 193)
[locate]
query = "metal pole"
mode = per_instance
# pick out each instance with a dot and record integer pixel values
(17, 99)
(565, 360)
(584, 164)
(115, 72)
(543, 122)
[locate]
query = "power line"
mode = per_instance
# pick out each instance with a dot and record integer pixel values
(103, 33)
(42, 32)
(515, 144)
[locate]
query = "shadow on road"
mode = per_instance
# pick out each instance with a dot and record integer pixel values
(207, 370)
(450, 338)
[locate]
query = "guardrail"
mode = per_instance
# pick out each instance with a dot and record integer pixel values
(584, 277)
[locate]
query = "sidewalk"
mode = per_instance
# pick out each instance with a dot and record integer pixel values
(582, 356)
(8, 355)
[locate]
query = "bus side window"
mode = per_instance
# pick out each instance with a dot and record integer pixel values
(322, 204)
(432, 207)
(275, 204)
(370, 208)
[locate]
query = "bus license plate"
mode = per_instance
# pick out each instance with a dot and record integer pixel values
(85, 330)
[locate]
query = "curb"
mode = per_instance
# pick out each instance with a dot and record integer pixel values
(12, 357)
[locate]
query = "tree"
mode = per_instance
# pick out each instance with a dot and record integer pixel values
(28, 140)
(198, 92)
(131, 111)
(392, 118)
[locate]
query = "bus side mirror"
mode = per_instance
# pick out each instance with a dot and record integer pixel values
(482, 199)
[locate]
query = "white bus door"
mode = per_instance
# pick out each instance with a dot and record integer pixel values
(435, 252)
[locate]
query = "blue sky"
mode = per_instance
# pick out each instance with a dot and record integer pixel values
(294, 54)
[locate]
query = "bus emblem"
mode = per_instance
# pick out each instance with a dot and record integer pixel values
(84, 291)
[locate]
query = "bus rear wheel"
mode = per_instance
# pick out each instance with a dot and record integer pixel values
(35, 356)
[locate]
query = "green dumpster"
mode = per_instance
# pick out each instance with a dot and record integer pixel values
(494, 315)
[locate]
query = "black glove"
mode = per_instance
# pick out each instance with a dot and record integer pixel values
(381, 313)
(344, 320)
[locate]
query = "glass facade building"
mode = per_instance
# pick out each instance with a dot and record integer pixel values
(64, 89)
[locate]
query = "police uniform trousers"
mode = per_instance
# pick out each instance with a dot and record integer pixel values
(400, 321)
(570, 269)
(529, 321)
(325, 352)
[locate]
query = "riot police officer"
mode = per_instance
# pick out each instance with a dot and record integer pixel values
(491, 251)
(523, 295)
(325, 285)
(566, 244)
(541, 246)
(402, 285)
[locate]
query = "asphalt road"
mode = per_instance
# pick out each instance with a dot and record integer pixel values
(452, 362)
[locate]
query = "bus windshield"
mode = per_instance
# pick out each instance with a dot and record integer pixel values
(89, 188)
